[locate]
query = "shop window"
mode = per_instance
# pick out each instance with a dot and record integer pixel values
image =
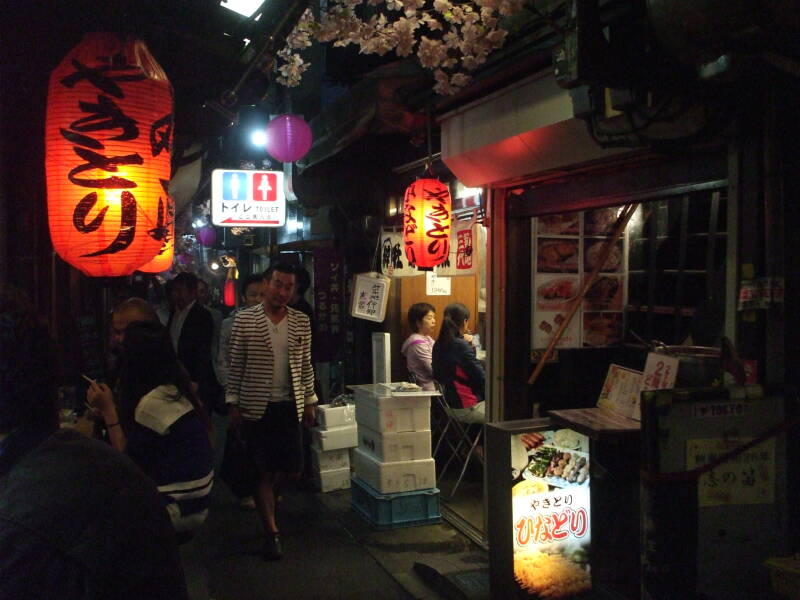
(676, 267)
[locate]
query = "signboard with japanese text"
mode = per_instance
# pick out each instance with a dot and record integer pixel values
(748, 478)
(244, 198)
(462, 259)
(329, 308)
(565, 251)
(369, 296)
(551, 514)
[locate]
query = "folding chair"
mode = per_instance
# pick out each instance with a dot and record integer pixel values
(467, 434)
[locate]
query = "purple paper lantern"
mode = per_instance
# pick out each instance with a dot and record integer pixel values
(184, 259)
(207, 235)
(288, 138)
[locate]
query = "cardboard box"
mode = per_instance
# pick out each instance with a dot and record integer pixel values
(397, 446)
(335, 437)
(393, 413)
(393, 477)
(329, 481)
(336, 416)
(330, 460)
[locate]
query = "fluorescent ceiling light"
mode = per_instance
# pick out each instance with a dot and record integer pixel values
(243, 7)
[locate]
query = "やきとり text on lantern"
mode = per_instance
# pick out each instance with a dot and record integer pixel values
(426, 223)
(108, 135)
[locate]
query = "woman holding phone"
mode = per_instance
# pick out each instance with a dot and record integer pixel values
(159, 423)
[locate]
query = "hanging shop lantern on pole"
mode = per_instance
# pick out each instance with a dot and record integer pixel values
(288, 138)
(229, 291)
(166, 220)
(426, 223)
(108, 135)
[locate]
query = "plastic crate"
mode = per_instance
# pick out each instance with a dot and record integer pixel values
(388, 511)
(785, 575)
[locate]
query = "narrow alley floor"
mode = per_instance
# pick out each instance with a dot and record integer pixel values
(330, 552)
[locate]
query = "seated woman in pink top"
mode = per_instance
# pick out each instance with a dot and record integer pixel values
(418, 347)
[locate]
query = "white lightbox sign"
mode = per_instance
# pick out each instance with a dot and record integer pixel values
(241, 198)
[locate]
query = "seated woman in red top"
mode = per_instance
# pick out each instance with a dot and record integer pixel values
(456, 367)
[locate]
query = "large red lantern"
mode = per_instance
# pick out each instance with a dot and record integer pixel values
(108, 137)
(426, 222)
(166, 221)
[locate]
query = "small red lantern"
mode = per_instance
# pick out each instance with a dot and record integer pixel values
(166, 220)
(426, 223)
(108, 135)
(229, 292)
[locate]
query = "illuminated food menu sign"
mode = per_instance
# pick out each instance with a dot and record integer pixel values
(566, 248)
(551, 513)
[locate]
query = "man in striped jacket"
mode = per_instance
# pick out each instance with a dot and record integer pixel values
(270, 390)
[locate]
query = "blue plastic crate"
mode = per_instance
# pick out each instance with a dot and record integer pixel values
(387, 511)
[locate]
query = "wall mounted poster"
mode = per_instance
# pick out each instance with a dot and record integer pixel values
(551, 513)
(566, 248)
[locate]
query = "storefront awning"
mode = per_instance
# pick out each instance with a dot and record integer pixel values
(522, 130)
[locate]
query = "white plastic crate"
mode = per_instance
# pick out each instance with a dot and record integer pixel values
(387, 413)
(393, 477)
(395, 446)
(329, 481)
(336, 416)
(335, 438)
(330, 460)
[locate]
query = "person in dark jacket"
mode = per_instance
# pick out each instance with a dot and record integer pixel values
(456, 367)
(191, 329)
(78, 521)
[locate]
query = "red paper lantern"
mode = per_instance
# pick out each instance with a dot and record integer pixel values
(166, 219)
(229, 295)
(426, 222)
(108, 137)
(288, 138)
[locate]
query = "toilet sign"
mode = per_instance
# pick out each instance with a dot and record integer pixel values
(243, 198)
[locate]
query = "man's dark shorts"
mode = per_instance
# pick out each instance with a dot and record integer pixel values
(276, 440)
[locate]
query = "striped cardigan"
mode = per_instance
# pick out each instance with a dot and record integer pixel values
(250, 374)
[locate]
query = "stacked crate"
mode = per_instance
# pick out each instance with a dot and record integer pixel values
(331, 444)
(394, 474)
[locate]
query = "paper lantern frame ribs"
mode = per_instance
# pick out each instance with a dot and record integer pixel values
(108, 136)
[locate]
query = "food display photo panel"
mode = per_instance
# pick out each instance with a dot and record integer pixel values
(546, 325)
(602, 328)
(557, 255)
(550, 498)
(593, 251)
(606, 293)
(601, 221)
(561, 224)
(556, 292)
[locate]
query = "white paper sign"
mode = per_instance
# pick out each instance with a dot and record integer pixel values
(370, 294)
(435, 285)
(660, 371)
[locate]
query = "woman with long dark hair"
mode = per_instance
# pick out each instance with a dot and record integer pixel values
(456, 367)
(159, 423)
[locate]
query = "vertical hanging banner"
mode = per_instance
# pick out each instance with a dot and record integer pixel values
(328, 303)
(108, 135)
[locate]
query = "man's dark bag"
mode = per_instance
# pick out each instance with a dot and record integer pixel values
(238, 470)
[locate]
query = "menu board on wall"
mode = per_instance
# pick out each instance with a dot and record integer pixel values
(551, 513)
(566, 248)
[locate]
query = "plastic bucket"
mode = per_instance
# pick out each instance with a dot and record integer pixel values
(700, 366)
